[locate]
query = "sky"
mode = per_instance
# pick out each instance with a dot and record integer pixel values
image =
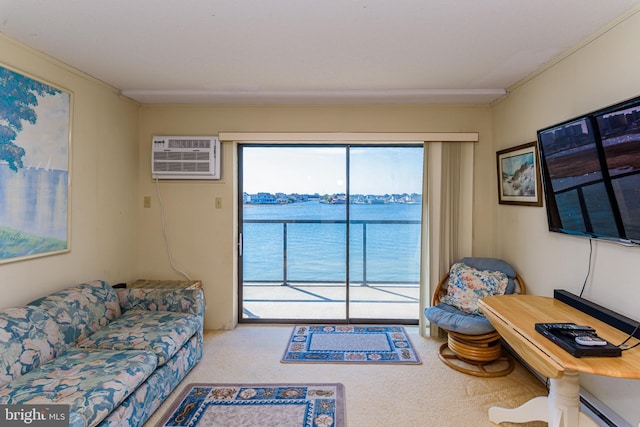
(46, 143)
(510, 164)
(312, 169)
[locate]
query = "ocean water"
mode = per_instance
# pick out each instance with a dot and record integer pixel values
(317, 251)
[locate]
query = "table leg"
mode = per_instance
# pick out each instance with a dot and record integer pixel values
(564, 400)
(560, 409)
(536, 409)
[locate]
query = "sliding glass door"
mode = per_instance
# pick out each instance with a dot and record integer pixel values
(329, 233)
(385, 200)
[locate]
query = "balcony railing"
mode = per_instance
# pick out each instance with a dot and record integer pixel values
(366, 278)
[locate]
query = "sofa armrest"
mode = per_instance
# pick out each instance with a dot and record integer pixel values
(189, 301)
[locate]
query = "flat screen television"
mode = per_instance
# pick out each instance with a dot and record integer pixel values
(591, 174)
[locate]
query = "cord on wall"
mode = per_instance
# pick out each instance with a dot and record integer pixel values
(589, 267)
(164, 233)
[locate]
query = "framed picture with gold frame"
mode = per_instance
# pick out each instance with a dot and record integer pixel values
(35, 143)
(519, 175)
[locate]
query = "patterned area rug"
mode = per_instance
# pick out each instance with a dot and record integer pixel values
(350, 343)
(250, 405)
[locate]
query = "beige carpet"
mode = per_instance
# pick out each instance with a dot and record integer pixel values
(427, 395)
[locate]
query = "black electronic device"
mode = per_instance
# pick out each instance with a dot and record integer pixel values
(610, 317)
(568, 335)
(591, 173)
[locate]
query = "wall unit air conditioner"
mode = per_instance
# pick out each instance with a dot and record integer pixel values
(185, 157)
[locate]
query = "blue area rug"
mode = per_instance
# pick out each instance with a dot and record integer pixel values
(350, 344)
(265, 405)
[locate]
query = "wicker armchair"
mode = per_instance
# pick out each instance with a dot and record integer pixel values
(473, 346)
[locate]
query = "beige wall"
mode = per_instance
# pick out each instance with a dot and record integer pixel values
(603, 72)
(202, 238)
(104, 171)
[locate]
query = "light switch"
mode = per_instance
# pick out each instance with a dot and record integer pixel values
(147, 201)
(218, 202)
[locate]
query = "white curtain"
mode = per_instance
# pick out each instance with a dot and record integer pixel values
(446, 215)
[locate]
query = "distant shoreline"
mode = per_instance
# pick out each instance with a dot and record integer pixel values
(339, 199)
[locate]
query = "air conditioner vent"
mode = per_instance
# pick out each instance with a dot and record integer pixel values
(189, 143)
(185, 157)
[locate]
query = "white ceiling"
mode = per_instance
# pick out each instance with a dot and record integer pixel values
(308, 51)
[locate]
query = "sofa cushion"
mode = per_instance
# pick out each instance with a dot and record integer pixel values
(140, 405)
(81, 310)
(92, 382)
(451, 319)
(143, 402)
(162, 332)
(29, 337)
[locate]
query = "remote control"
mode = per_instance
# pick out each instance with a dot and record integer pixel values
(590, 340)
(568, 327)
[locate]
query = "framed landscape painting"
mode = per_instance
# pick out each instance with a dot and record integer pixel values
(519, 176)
(35, 135)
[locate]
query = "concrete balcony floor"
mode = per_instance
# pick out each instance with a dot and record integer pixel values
(326, 301)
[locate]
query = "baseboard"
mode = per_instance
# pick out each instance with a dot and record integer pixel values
(600, 412)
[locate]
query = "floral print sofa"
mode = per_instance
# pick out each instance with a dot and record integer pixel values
(112, 355)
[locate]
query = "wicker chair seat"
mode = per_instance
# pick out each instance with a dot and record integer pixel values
(451, 319)
(473, 346)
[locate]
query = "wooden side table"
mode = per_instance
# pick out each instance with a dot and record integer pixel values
(514, 317)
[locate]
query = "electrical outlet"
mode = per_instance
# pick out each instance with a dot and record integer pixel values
(218, 202)
(147, 201)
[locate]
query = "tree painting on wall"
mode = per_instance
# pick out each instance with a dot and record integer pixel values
(34, 167)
